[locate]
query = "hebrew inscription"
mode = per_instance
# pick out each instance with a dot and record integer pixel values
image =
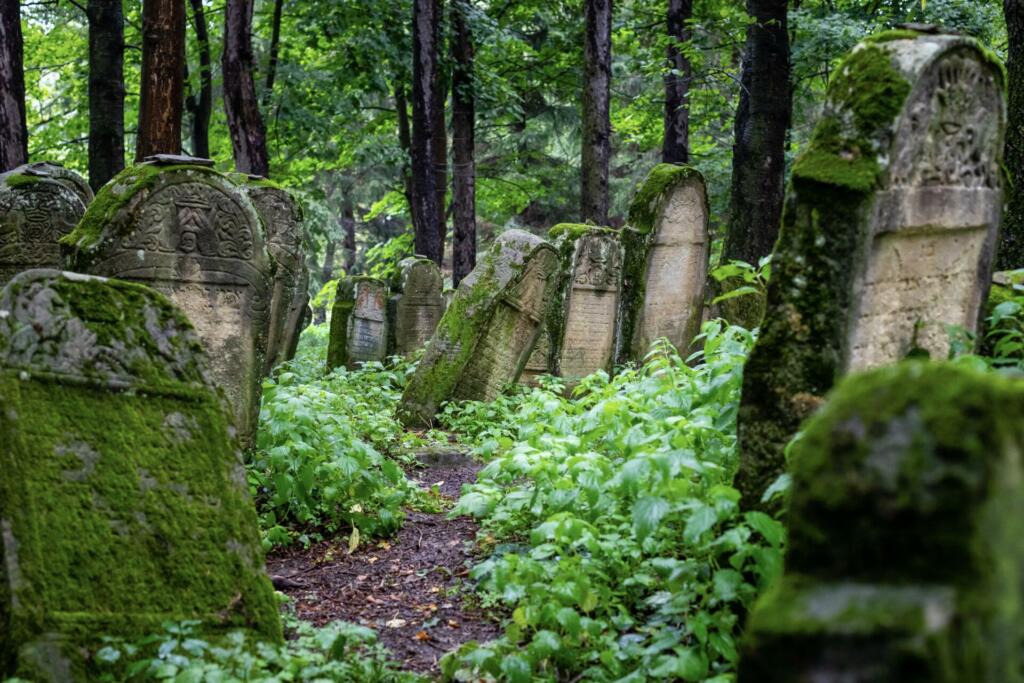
(592, 306)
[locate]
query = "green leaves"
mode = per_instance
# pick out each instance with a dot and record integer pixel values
(647, 514)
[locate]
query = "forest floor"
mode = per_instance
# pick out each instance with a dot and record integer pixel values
(410, 588)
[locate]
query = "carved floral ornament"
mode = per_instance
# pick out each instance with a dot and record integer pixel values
(598, 263)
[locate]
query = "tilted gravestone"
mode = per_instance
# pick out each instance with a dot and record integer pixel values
(36, 211)
(417, 305)
(904, 560)
(489, 330)
(123, 500)
(888, 231)
(666, 262)
(359, 323)
(180, 226)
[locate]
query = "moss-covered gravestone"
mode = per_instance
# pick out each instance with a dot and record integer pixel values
(888, 231)
(180, 226)
(416, 306)
(65, 176)
(489, 330)
(123, 500)
(337, 343)
(359, 323)
(905, 560)
(666, 261)
(36, 211)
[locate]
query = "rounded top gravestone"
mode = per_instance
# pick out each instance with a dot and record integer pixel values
(417, 304)
(65, 176)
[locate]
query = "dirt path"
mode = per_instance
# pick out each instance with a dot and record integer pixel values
(408, 589)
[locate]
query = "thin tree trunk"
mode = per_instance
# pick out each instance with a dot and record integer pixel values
(758, 162)
(463, 137)
(440, 149)
(106, 91)
(404, 140)
(275, 46)
(163, 75)
(424, 208)
(596, 151)
(348, 225)
(248, 137)
(201, 108)
(13, 128)
(326, 274)
(1011, 237)
(676, 146)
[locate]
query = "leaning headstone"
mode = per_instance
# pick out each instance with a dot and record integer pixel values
(485, 337)
(666, 262)
(417, 304)
(36, 211)
(539, 363)
(180, 226)
(65, 176)
(904, 560)
(888, 231)
(123, 501)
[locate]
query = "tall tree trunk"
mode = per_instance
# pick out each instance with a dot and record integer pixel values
(326, 274)
(424, 207)
(275, 46)
(248, 137)
(1011, 237)
(106, 91)
(676, 146)
(597, 148)
(163, 76)
(404, 140)
(348, 226)
(463, 140)
(440, 149)
(202, 107)
(758, 160)
(13, 128)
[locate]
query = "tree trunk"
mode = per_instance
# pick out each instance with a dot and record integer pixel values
(326, 275)
(275, 45)
(248, 137)
(163, 76)
(676, 146)
(404, 140)
(202, 107)
(440, 150)
(106, 91)
(13, 128)
(463, 137)
(758, 161)
(348, 226)
(424, 206)
(1011, 236)
(596, 151)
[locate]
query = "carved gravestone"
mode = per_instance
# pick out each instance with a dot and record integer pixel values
(489, 330)
(36, 211)
(667, 250)
(65, 176)
(539, 362)
(888, 232)
(905, 560)
(368, 324)
(123, 500)
(341, 310)
(417, 305)
(188, 231)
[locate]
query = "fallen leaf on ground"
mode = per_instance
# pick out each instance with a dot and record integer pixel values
(395, 623)
(422, 635)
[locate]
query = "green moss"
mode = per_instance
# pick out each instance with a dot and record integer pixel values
(643, 210)
(14, 180)
(892, 34)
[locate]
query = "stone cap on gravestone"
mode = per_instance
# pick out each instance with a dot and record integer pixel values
(124, 502)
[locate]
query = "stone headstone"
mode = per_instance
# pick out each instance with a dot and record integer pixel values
(539, 362)
(191, 233)
(417, 305)
(123, 500)
(65, 176)
(36, 211)
(667, 261)
(341, 310)
(485, 337)
(905, 560)
(888, 232)
(368, 324)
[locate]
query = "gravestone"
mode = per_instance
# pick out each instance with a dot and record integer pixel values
(539, 362)
(65, 176)
(123, 500)
(180, 226)
(666, 262)
(341, 310)
(905, 560)
(485, 337)
(36, 211)
(888, 231)
(359, 323)
(417, 305)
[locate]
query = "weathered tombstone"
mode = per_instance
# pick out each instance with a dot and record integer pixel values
(905, 560)
(888, 232)
(123, 500)
(64, 176)
(539, 362)
(36, 211)
(666, 262)
(180, 226)
(417, 305)
(488, 331)
(337, 343)
(359, 323)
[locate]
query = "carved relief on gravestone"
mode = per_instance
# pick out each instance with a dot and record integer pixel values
(123, 500)
(190, 233)
(418, 304)
(367, 325)
(36, 211)
(539, 362)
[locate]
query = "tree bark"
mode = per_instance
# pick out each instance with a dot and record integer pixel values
(404, 140)
(440, 148)
(596, 151)
(463, 141)
(762, 118)
(13, 127)
(1011, 236)
(163, 76)
(275, 46)
(348, 226)
(201, 108)
(676, 146)
(248, 136)
(106, 91)
(424, 207)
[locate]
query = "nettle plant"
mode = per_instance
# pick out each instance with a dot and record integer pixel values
(616, 538)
